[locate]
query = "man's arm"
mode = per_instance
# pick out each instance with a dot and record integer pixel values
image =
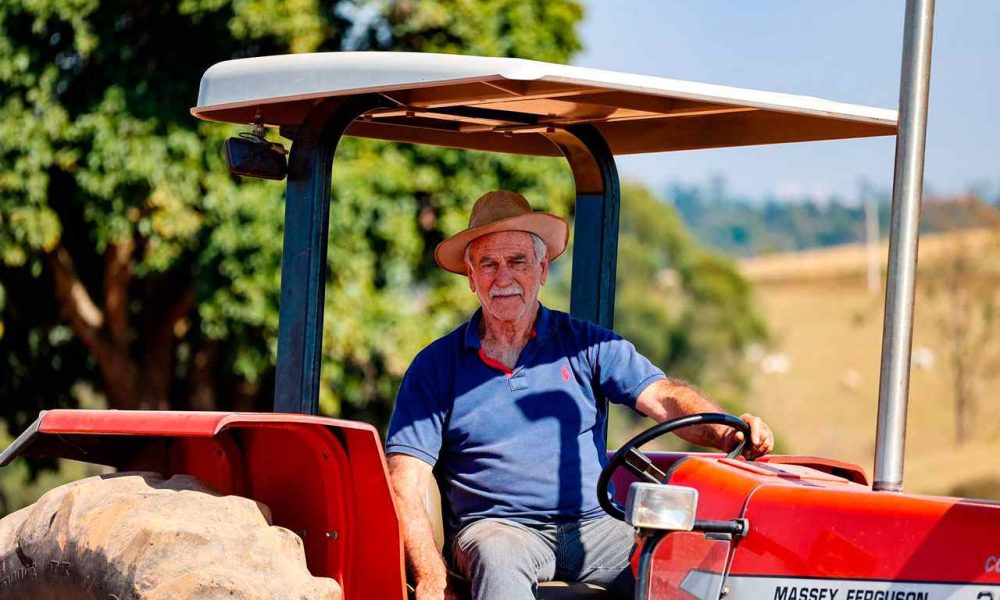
(671, 398)
(410, 477)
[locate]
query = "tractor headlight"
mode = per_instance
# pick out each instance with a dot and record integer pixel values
(658, 506)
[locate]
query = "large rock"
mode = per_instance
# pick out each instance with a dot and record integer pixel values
(138, 536)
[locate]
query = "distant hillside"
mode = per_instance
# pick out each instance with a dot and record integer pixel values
(745, 228)
(852, 260)
(817, 380)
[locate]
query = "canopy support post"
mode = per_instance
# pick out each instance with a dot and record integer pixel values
(897, 337)
(303, 260)
(595, 236)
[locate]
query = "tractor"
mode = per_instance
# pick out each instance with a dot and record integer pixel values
(293, 505)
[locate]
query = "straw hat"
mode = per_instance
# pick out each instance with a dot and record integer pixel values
(502, 211)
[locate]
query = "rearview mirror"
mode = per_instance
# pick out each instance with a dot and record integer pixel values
(256, 158)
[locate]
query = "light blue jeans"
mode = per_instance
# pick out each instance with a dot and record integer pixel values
(504, 560)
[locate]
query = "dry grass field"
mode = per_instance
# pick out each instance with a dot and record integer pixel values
(817, 383)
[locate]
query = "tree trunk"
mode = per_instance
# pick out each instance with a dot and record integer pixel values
(135, 354)
(202, 383)
(90, 324)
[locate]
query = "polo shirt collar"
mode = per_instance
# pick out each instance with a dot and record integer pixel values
(543, 327)
(472, 340)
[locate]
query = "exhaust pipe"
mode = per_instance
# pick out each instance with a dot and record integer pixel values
(907, 187)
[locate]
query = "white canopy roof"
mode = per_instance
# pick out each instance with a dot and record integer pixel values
(510, 105)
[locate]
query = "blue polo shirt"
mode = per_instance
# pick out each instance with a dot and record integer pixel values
(525, 444)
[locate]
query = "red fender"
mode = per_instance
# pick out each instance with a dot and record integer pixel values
(324, 479)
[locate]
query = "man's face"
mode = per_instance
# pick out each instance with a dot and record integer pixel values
(505, 274)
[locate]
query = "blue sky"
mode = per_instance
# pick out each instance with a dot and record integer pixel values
(848, 50)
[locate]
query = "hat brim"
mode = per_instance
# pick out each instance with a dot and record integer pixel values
(554, 231)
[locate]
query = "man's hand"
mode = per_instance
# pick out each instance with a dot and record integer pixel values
(672, 398)
(761, 439)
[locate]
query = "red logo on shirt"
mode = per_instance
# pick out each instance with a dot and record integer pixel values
(565, 373)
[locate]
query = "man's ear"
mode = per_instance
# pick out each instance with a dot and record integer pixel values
(545, 270)
(472, 280)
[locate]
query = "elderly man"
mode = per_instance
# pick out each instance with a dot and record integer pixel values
(509, 412)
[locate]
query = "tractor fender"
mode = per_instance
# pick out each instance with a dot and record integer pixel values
(324, 479)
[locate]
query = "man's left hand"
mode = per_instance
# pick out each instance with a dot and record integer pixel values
(761, 439)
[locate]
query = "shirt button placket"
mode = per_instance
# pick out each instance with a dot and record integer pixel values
(518, 381)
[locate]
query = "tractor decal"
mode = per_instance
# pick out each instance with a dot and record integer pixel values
(795, 588)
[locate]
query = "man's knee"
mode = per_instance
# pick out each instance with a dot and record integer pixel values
(498, 547)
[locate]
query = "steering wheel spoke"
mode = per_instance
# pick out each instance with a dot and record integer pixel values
(642, 467)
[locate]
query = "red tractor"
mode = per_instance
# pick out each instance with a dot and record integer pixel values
(291, 505)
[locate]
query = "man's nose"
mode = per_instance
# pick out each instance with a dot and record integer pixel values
(505, 275)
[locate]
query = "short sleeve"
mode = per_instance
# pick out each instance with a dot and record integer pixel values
(620, 372)
(417, 424)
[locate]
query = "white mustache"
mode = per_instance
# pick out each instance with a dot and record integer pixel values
(511, 290)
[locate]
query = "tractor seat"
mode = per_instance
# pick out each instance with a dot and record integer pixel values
(549, 590)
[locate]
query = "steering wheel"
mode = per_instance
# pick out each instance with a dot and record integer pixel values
(640, 465)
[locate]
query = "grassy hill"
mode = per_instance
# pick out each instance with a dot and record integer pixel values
(817, 382)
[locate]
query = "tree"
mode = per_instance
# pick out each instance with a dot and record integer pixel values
(132, 263)
(684, 306)
(963, 290)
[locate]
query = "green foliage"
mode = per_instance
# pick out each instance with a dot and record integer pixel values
(133, 264)
(685, 307)
(539, 30)
(739, 226)
(131, 261)
(386, 297)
